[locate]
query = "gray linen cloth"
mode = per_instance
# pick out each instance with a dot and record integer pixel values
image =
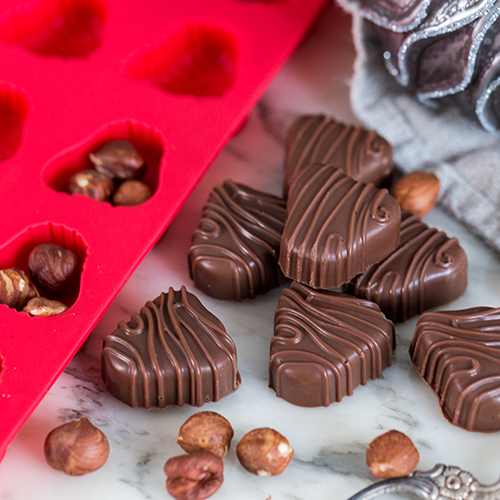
(464, 156)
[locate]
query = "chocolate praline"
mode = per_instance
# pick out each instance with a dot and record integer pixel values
(325, 345)
(175, 352)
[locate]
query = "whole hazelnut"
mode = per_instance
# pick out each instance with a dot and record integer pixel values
(92, 184)
(206, 430)
(392, 454)
(53, 268)
(76, 448)
(264, 452)
(131, 193)
(195, 476)
(417, 192)
(40, 306)
(15, 288)
(118, 160)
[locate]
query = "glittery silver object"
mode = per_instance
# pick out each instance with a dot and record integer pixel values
(450, 16)
(440, 483)
(408, 23)
(453, 52)
(483, 26)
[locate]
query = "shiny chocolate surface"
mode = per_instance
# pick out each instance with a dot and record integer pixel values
(336, 227)
(174, 352)
(457, 354)
(234, 252)
(427, 270)
(325, 345)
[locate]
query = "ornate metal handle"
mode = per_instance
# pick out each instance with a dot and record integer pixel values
(443, 482)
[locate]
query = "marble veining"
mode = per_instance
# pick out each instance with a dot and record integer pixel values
(329, 442)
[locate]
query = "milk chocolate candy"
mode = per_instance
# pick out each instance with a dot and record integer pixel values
(234, 252)
(362, 154)
(336, 227)
(174, 352)
(457, 354)
(325, 345)
(427, 270)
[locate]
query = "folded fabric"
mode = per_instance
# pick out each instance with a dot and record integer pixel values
(442, 140)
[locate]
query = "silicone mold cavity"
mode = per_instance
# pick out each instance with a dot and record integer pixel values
(199, 60)
(13, 110)
(147, 140)
(64, 28)
(17, 251)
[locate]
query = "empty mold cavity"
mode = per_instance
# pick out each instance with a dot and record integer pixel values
(13, 110)
(147, 140)
(64, 28)
(198, 60)
(16, 252)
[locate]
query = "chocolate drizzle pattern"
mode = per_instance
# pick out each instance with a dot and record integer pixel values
(457, 354)
(175, 352)
(362, 154)
(427, 270)
(336, 227)
(325, 345)
(234, 252)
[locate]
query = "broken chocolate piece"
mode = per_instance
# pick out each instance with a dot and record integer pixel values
(174, 352)
(325, 345)
(336, 227)
(362, 154)
(234, 252)
(427, 270)
(457, 354)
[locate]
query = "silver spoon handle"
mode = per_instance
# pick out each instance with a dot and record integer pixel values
(443, 482)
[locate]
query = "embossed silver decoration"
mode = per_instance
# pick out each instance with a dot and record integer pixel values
(463, 34)
(443, 482)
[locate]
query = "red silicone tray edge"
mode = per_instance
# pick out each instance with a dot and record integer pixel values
(73, 104)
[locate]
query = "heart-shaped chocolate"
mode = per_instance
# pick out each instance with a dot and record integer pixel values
(457, 354)
(234, 252)
(426, 270)
(325, 345)
(362, 154)
(175, 352)
(336, 227)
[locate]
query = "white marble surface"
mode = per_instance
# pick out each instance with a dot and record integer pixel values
(329, 443)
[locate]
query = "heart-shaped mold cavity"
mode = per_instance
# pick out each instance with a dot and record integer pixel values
(148, 141)
(64, 28)
(17, 251)
(13, 110)
(199, 60)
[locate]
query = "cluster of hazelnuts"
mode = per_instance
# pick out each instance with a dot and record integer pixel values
(78, 448)
(54, 270)
(114, 178)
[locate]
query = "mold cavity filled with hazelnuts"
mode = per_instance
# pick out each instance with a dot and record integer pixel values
(64, 28)
(120, 165)
(40, 270)
(199, 60)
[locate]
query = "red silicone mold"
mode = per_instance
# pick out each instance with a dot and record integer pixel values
(174, 78)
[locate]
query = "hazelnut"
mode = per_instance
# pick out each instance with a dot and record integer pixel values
(417, 192)
(195, 476)
(93, 184)
(76, 448)
(118, 160)
(264, 452)
(131, 193)
(206, 430)
(40, 306)
(53, 268)
(15, 288)
(392, 454)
